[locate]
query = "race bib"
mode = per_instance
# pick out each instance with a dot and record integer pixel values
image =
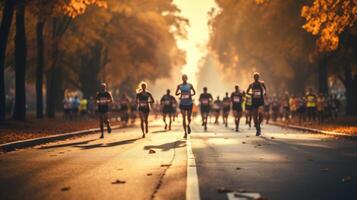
(185, 96)
(143, 104)
(227, 103)
(204, 101)
(103, 100)
(167, 102)
(236, 99)
(215, 106)
(257, 94)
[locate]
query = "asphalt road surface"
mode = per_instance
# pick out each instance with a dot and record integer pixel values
(217, 164)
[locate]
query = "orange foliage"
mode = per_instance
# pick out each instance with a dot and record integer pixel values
(327, 19)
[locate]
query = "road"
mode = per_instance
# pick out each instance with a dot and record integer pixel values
(281, 164)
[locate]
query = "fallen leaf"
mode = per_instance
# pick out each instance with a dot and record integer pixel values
(65, 189)
(151, 151)
(247, 136)
(244, 143)
(238, 168)
(223, 190)
(165, 165)
(118, 182)
(347, 179)
(149, 174)
(242, 190)
(272, 138)
(324, 169)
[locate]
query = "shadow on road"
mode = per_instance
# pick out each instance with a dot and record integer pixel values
(167, 146)
(68, 144)
(112, 144)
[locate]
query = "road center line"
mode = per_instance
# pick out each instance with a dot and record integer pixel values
(192, 186)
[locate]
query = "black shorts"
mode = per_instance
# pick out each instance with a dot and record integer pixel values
(226, 110)
(205, 109)
(249, 108)
(167, 109)
(237, 108)
(256, 103)
(186, 107)
(144, 109)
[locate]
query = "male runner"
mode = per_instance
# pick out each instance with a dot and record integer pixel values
(248, 109)
(237, 100)
(167, 102)
(258, 91)
(205, 102)
(144, 100)
(103, 99)
(226, 108)
(186, 91)
(216, 108)
(124, 103)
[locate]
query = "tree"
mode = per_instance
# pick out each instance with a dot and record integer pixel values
(4, 33)
(332, 21)
(20, 62)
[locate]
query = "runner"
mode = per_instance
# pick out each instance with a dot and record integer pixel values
(226, 108)
(186, 91)
(124, 103)
(103, 99)
(144, 101)
(237, 100)
(205, 102)
(248, 109)
(216, 108)
(133, 111)
(267, 110)
(167, 102)
(320, 107)
(258, 92)
(311, 105)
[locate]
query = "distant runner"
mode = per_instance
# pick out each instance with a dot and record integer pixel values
(167, 101)
(124, 103)
(103, 99)
(226, 109)
(258, 92)
(144, 100)
(237, 100)
(186, 91)
(205, 103)
(248, 109)
(216, 108)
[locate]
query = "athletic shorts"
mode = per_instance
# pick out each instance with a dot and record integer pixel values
(226, 110)
(167, 109)
(144, 109)
(256, 103)
(186, 107)
(205, 109)
(237, 108)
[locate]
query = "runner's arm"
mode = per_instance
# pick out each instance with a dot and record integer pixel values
(248, 89)
(177, 90)
(193, 90)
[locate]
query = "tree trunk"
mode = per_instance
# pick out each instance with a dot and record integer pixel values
(350, 84)
(4, 34)
(323, 82)
(20, 62)
(54, 75)
(39, 69)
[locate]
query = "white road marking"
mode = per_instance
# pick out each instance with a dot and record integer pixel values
(192, 186)
(243, 196)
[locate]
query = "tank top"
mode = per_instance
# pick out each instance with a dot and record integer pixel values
(185, 90)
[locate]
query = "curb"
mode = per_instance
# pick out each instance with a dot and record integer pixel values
(313, 130)
(12, 146)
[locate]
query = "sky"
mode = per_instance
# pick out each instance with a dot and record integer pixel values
(196, 11)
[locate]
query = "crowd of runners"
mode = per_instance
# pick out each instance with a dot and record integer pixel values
(253, 103)
(251, 100)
